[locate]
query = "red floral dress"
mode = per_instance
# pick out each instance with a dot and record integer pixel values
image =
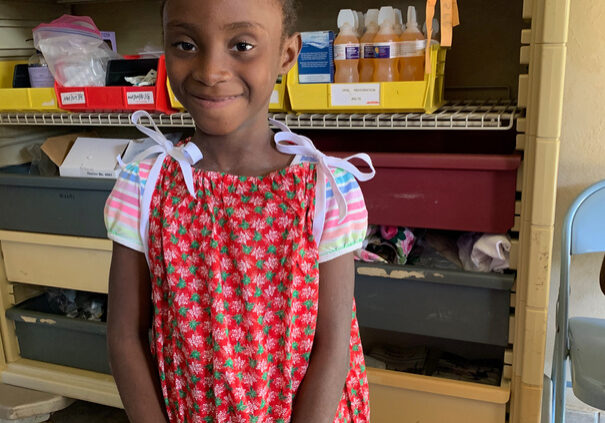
(235, 294)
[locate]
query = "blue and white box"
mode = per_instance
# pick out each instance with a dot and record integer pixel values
(316, 58)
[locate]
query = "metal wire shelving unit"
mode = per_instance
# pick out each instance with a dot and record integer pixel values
(463, 115)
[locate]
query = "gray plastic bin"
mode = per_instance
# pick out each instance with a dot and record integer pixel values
(58, 339)
(55, 205)
(464, 306)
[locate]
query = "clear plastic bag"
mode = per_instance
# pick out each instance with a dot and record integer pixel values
(75, 52)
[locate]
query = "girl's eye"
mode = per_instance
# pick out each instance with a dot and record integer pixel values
(183, 45)
(243, 46)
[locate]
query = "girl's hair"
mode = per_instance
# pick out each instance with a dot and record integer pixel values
(290, 10)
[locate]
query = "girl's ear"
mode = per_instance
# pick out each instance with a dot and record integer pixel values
(290, 49)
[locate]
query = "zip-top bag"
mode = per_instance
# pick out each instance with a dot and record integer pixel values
(75, 52)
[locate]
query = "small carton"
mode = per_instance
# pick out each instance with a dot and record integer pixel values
(316, 58)
(93, 158)
(56, 148)
(109, 37)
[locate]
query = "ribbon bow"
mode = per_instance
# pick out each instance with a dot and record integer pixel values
(290, 143)
(186, 155)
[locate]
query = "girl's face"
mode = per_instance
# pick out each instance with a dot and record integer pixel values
(223, 57)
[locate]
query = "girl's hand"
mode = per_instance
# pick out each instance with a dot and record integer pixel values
(321, 390)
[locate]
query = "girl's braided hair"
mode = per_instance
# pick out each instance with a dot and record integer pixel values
(289, 10)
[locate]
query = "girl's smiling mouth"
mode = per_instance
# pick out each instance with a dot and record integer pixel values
(212, 101)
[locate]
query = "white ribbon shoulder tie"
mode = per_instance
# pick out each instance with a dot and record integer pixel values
(186, 155)
(288, 142)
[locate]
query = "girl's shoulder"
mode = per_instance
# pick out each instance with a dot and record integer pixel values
(137, 171)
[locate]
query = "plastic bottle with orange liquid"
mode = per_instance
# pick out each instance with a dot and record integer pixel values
(346, 48)
(360, 25)
(413, 43)
(399, 26)
(385, 47)
(366, 61)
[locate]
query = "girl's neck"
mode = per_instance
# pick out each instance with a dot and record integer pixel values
(249, 151)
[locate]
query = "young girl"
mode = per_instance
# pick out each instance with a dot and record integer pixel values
(246, 281)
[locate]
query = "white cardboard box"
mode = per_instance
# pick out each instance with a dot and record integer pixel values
(94, 158)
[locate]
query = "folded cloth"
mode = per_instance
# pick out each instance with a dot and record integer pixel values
(484, 252)
(386, 244)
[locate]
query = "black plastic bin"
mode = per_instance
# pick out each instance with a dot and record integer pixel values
(54, 205)
(58, 339)
(450, 304)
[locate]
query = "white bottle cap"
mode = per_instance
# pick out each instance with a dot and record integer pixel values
(435, 27)
(398, 17)
(347, 17)
(386, 16)
(360, 22)
(412, 23)
(371, 17)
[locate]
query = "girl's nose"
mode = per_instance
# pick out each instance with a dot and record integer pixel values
(211, 68)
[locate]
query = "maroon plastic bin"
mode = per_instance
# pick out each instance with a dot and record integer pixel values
(443, 191)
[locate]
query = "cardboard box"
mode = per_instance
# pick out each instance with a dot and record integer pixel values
(93, 158)
(316, 58)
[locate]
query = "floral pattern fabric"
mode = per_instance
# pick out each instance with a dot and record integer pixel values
(235, 278)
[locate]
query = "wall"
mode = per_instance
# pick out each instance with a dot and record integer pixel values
(582, 158)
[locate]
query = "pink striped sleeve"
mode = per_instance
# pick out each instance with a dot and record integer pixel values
(339, 238)
(122, 209)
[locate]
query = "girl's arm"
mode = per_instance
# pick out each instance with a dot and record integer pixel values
(128, 323)
(320, 392)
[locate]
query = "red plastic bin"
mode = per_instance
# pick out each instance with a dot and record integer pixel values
(463, 192)
(117, 99)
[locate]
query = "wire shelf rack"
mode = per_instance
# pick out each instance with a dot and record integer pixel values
(463, 115)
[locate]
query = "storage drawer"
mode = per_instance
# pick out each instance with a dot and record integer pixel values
(57, 339)
(57, 205)
(443, 191)
(450, 304)
(408, 398)
(59, 261)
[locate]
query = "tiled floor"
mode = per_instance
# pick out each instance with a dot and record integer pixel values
(86, 412)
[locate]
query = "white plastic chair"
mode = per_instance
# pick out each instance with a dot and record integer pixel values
(580, 339)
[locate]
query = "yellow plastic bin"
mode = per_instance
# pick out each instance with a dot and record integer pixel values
(174, 102)
(24, 99)
(409, 398)
(278, 103)
(279, 97)
(377, 97)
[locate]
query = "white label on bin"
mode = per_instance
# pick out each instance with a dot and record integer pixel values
(274, 97)
(139, 97)
(75, 97)
(355, 94)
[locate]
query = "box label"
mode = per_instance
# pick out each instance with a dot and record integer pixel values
(75, 97)
(139, 97)
(355, 95)
(274, 97)
(87, 172)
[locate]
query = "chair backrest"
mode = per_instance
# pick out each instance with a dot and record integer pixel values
(587, 221)
(583, 232)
